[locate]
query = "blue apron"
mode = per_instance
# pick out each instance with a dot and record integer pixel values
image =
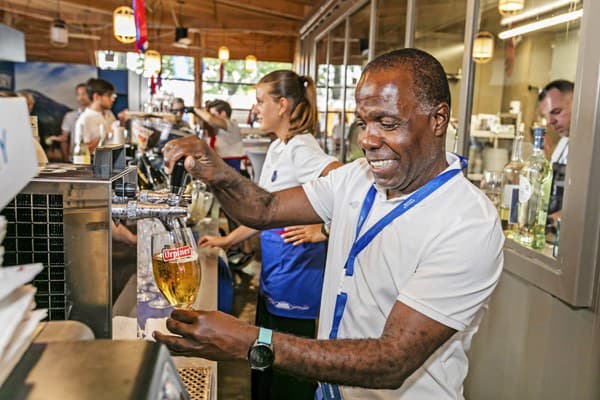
(291, 277)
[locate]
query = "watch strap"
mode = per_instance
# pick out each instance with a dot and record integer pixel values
(265, 336)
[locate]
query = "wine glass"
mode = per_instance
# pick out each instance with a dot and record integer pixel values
(492, 186)
(176, 266)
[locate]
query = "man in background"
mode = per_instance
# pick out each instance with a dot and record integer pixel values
(177, 129)
(224, 133)
(555, 103)
(97, 117)
(67, 127)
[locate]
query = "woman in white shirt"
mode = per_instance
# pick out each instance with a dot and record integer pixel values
(291, 274)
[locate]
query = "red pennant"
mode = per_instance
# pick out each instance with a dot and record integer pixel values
(221, 72)
(141, 26)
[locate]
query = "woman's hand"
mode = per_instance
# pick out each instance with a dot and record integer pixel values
(214, 241)
(303, 234)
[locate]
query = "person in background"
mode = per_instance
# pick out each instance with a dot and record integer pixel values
(405, 292)
(291, 275)
(224, 133)
(97, 116)
(39, 151)
(67, 136)
(555, 102)
(177, 129)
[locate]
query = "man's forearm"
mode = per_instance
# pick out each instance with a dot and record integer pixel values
(243, 200)
(370, 363)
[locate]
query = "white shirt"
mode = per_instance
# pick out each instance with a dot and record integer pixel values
(68, 125)
(229, 141)
(91, 121)
(290, 164)
(443, 258)
(561, 151)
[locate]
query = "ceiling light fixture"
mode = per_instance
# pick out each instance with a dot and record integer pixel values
(223, 54)
(541, 24)
(533, 12)
(59, 34)
(250, 63)
(181, 36)
(124, 25)
(483, 47)
(509, 7)
(152, 63)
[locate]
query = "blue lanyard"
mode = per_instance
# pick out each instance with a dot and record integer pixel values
(362, 242)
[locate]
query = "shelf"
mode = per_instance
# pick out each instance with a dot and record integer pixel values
(490, 135)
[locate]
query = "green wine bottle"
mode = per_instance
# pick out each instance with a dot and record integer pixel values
(534, 192)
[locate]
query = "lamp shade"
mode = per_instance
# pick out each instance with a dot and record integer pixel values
(223, 53)
(250, 63)
(152, 63)
(483, 47)
(124, 25)
(508, 7)
(59, 34)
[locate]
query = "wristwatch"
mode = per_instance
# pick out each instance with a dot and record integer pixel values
(260, 354)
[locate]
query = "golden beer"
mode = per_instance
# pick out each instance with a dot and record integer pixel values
(177, 279)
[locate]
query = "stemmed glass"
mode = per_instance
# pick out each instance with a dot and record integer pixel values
(492, 186)
(176, 266)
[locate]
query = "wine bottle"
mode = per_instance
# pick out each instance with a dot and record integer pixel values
(534, 192)
(509, 205)
(81, 153)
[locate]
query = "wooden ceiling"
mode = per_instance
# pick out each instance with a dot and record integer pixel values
(266, 28)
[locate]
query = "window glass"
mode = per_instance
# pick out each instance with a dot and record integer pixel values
(506, 102)
(391, 25)
(440, 30)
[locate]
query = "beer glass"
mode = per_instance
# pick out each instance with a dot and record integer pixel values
(492, 186)
(176, 266)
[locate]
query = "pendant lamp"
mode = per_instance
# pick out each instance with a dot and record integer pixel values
(250, 63)
(124, 25)
(152, 63)
(223, 53)
(483, 47)
(509, 7)
(59, 34)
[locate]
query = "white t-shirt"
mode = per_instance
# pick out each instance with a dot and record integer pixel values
(443, 258)
(68, 125)
(561, 151)
(91, 121)
(229, 141)
(290, 164)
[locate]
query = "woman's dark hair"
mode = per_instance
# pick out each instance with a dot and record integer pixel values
(301, 92)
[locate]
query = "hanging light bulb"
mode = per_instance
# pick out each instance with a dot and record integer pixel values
(483, 47)
(250, 63)
(223, 53)
(509, 7)
(152, 63)
(124, 25)
(59, 34)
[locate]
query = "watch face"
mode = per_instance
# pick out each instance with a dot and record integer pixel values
(261, 356)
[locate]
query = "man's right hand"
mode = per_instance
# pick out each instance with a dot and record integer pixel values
(200, 160)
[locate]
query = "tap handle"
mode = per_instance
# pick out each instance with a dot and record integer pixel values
(178, 176)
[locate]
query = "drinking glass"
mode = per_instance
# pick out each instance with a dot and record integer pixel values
(176, 266)
(492, 186)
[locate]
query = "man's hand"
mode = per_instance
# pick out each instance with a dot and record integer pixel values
(303, 234)
(209, 334)
(200, 160)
